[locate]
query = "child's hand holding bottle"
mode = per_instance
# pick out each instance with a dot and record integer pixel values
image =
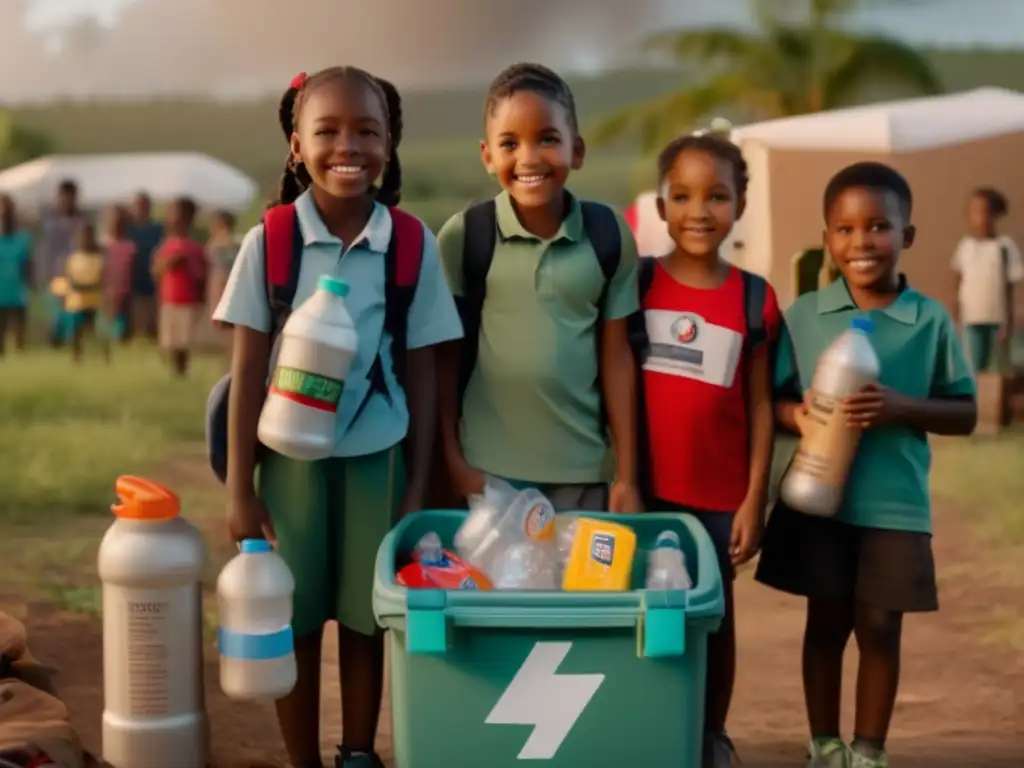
(248, 518)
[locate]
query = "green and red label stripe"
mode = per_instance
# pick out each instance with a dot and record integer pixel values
(305, 388)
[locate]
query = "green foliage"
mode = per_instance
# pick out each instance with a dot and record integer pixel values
(20, 143)
(792, 64)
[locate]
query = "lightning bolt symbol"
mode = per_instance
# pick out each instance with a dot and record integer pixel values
(540, 697)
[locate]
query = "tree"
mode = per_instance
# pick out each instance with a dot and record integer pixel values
(791, 64)
(20, 143)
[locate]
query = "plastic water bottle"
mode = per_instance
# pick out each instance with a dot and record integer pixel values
(150, 562)
(318, 343)
(666, 564)
(816, 477)
(429, 550)
(254, 604)
(524, 565)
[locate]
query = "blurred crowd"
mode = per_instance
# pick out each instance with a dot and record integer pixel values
(114, 276)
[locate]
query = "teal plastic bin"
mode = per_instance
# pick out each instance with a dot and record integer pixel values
(569, 679)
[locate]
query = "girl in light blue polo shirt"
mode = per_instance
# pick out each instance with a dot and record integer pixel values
(329, 517)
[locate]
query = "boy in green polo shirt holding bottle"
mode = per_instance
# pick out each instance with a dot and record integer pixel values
(552, 362)
(864, 569)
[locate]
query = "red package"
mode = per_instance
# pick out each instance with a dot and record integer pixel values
(451, 573)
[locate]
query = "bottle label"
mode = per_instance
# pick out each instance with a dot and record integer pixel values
(306, 388)
(828, 444)
(540, 521)
(602, 548)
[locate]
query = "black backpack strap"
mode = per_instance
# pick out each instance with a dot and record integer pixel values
(755, 294)
(480, 225)
(636, 325)
(602, 228)
(282, 260)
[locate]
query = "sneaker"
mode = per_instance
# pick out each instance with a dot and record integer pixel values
(348, 759)
(832, 753)
(857, 760)
(719, 751)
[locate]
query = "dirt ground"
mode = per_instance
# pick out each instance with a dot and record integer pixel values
(961, 701)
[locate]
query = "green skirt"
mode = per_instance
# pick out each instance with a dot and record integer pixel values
(330, 517)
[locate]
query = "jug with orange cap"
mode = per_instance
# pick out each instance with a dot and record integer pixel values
(150, 563)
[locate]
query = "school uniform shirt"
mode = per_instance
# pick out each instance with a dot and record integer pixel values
(182, 283)
(695, 387)
(84, 273)
(983, 278)
(531, 411)
(920, 355)
(15, 253)
(432, 319)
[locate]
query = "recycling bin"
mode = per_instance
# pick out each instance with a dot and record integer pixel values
(562, 679)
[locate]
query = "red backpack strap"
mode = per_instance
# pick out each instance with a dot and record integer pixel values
(282, 258)
(401, 276)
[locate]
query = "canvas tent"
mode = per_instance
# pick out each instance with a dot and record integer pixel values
(944, 145)
(116, 178)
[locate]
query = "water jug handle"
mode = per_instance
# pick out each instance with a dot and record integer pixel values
(141, 499)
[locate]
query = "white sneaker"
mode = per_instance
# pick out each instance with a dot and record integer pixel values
(833, 753)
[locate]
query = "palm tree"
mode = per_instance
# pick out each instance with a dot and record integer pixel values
(790, 65)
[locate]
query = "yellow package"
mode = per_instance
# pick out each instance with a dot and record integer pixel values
(601, 558)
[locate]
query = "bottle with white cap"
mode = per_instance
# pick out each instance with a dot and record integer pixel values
(815, 480)
(254, 605)
(318, 344)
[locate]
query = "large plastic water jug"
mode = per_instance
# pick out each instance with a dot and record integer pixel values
(318, 342)
(254, 604)
(816, 478)
(150, 563)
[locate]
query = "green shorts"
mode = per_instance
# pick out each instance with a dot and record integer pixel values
(330, 517)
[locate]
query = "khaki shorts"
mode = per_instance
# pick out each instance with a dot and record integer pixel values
(142, 322)
(178, 325)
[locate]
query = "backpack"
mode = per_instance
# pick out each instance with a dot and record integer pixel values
(481, 237)
(755, 291)
(282, 249)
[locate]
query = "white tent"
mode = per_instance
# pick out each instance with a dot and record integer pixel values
(945, 146)
(116, 178)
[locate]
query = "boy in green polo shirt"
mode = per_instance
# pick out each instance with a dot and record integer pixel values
(864, 569)
(552, 360)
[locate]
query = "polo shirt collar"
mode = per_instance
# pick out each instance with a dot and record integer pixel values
(376, 235)
(509, 226)
(836, 298)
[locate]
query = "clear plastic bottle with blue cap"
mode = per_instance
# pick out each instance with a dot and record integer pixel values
(318, 343)
(666, 564)
(815, 480)
(254, 608)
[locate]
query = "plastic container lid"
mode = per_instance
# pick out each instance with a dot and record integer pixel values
(141, 499)
(254, 546)
(863, 324)
(333, 285)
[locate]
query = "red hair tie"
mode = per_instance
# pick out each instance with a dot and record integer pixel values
(299, 80)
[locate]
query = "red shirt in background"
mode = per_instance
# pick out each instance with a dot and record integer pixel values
(695, 385)
(117, 281)
(181, 282)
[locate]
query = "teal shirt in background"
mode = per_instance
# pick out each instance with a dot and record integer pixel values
(920, 356)
(15, 253)
(147, 238)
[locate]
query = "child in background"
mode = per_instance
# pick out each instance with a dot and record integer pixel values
(221, 251)
(707, 383)
(83, 281)
(863, 570)
(117, 283)
(179, 269)
(329, 517)
(532, 410)
(988, 266)
(15, 276)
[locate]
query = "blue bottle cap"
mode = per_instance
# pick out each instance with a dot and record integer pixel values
(668, 540)
(333, 285)
(863, 324)
(254, 546)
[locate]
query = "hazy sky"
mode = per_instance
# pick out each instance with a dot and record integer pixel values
(241, 47)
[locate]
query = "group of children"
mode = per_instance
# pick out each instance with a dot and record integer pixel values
(130, 276)
(536, 374)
